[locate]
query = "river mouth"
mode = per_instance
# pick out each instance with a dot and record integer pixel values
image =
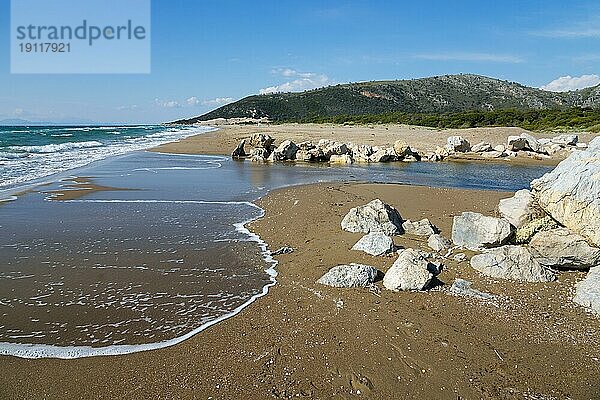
(163, 252)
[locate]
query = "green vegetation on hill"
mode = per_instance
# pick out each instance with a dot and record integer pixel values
(586, 119)
(430, 99)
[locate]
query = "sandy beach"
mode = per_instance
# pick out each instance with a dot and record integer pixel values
(421, 139)
(310, 341)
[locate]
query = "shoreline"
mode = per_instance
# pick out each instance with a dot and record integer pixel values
(314, 341)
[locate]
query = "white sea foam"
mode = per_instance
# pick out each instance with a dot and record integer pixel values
(22, 164)
(36, 351)
(54, 148)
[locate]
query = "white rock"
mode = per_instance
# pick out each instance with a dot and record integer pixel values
(560, 248)
(347, 276)
(566, 140)
(375, 216)
(571, 192)
(532, 142)
(438, 243)
(375, 244)
(285, 151)
(587, 292)
(475, 231)
(511, 262)
(411, 271)
(481, 147)
(458, 144)
(520, 209)
(419, 228)
(343, 159)
(462, 287)
(516, 143)
(500, 148)
(383, 155)
(259, 154)
(261, 141)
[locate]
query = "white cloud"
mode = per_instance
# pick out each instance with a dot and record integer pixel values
(304, 81)
(567, 83)
(192, 101)
(219, 101)
(167, 103)
(476, 57)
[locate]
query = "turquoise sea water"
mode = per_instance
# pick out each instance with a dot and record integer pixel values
(30, 153)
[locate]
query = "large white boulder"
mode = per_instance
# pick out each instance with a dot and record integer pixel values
(511, 262)
(520, 209)
(571, 192)
(458, 144)
(476, 231)
(375, 216)
(347, 276)
(411, 271)
(375, 244)
(532, 143)
(587, 292)
(561, 248)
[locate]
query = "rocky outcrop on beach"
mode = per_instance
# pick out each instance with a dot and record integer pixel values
(571, 192)
(513, 263)
(376, 216)
(375, 244)
(349, 276)
(562, 249)
(261, 147)
(587, 292)
(475, 231)
(411, 271)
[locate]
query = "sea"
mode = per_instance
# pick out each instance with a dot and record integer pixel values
(164, 251)
(31, 153)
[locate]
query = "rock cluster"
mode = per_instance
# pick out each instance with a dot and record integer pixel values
(263, 149)
(523, 143)
(554, 227)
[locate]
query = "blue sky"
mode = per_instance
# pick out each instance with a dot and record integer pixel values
(208, 52)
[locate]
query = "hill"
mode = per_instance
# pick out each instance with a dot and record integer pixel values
(434, 95)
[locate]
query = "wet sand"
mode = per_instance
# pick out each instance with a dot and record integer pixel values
(422, 139)
(309, 341)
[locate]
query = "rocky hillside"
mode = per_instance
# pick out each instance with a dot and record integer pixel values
(440, 94)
